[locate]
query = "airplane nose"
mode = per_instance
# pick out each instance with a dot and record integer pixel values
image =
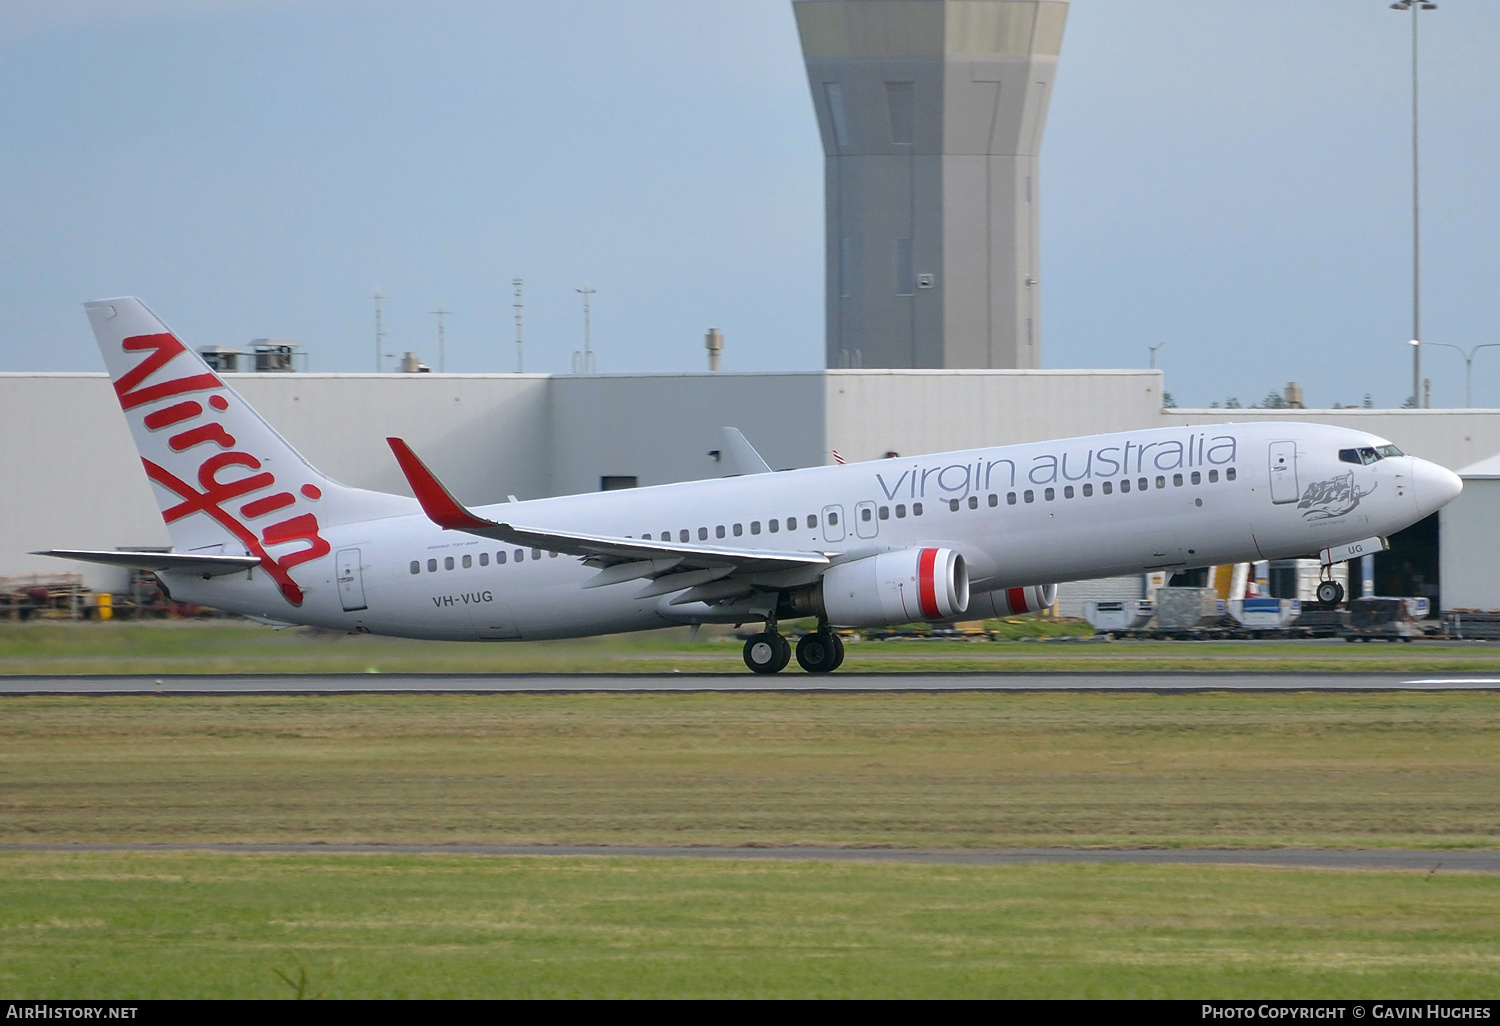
(1435, 486)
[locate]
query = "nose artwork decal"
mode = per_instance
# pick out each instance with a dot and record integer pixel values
(1325, 500)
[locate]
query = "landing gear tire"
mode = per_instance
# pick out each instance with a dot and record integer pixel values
(819, 653)
(767, 652)
(1330, 593)
(838, 647)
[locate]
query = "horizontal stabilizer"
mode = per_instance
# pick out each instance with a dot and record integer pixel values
(184, 562)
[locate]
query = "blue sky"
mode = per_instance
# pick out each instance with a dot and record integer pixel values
(1231, 179)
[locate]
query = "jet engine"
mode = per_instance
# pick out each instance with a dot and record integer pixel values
(894, 587)
(1012, 601)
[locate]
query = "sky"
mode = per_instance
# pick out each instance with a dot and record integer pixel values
(1230, 181)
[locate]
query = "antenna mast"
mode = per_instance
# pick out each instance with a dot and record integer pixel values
(440, 313)
(520, 361)
(583, 363)
(379, 335)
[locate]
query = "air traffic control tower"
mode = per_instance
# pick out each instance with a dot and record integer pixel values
(931, 113)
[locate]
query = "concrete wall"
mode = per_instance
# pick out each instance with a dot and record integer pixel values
(1469, 546)
(871, 413)
(659, 428)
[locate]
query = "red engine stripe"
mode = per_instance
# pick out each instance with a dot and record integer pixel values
(927, 584)
(1017, 599)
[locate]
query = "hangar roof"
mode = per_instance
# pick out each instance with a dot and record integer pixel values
(1486, 469)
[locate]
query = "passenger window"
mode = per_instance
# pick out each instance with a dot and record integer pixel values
(1213, 477)
(447, 562)
(812, 522)
(885, 512)
(520, 555)
(416, 566)
(500, 557)
(973, 502)
(1125, 486)
(1029, 495)
(791, 523)
(900, 511)
(1177, 480)
(484, 559)
(1197, 478)
(683, 535)
(864, 515)
(432, 566)
(952, 505)
(755, 527)
(833, 520)
(1010, 498)
(468, 562)
(1142, 484)
(1161, 481)
(1108, 487)
(536, 553)
(719, 531)
(916, 509)
(1067, 491)
(551, 555)
(703, 534)
(738, 530)
(773, 525)
(1049, 494)
(1229, 473)
(994, 500)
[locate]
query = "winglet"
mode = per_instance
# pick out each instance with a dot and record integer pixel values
(439, 505)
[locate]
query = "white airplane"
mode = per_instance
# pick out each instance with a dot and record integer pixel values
(959, 535)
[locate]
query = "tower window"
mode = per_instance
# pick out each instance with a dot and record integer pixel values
(900, 99)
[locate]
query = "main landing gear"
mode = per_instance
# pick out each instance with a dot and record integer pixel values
(769, 652)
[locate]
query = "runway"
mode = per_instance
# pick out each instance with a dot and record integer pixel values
(1467, 861)
(790, 682)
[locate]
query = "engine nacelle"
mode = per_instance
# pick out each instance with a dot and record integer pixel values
(896, 587)
(1012, 601)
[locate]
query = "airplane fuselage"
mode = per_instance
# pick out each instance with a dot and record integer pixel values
(1021, 515)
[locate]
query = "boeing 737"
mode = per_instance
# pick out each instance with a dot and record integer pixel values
(961, 535)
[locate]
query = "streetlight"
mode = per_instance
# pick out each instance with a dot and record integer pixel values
(1468, 366)
(1153, 349)
(1416, 208)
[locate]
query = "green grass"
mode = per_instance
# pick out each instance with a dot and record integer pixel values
(219, 647)
(932, 770)
(213, 926)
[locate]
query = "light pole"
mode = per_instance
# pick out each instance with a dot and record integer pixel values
(1153, 349)
(1468, 356)
(1415, 6)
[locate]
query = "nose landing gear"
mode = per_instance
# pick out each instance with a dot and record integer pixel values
(1330, 593)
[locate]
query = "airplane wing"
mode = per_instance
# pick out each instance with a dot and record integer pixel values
(186, 562)
(631, 557)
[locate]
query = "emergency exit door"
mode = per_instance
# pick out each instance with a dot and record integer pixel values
(351, 581)
(1284, 472)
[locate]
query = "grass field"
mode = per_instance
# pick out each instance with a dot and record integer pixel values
(219, 646)
(203, 925)
(1417, 770)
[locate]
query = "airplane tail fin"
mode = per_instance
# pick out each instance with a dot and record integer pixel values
(225, 480)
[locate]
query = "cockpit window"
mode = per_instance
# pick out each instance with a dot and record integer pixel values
(1367, 454)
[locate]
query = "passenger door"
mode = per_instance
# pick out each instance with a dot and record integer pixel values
(1283, 460)
(865, 524)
